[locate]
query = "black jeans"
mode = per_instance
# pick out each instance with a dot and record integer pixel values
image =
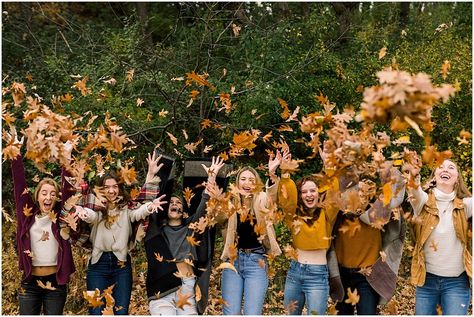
(369, 298)
(33, 298)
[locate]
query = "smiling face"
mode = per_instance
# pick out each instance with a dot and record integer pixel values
(446, 175)
(175, 210)
(111, 188)
(47, 196)
(246, 182)
(309, 194)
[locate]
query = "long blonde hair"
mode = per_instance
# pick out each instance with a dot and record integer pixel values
(258, 183)
(46, 181)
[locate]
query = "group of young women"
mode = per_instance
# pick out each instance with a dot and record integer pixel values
(338, 252)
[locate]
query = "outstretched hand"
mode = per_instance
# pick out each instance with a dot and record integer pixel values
(153, 166)
(275, 160)
(80, 212)
(212, 171)
(157, 204)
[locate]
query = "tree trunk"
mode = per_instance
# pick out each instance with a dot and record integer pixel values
(142, 9)
(344, 14)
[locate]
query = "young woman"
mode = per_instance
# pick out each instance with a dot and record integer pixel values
(441, 264)
(307, 281)
(44, 256)
(359, 250)
(252, 235)
(172, 270)
(110, 263)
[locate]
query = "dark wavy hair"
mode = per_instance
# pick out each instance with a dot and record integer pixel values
(302, 211)
(124, 196)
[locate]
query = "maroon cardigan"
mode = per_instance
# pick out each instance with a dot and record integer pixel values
(65, 261)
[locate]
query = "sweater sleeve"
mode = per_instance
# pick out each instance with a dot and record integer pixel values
(417, 198)
(139, 213)
(201, 209)
(272, 190)
(91, 216)
(287, 198)
(23, 200)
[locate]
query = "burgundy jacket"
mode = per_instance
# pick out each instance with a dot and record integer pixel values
(24, 199)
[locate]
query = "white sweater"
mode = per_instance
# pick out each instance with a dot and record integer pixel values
(116, 238)
(443, 250)
(44, 245)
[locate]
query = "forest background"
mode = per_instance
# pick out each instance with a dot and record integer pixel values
(132, 64)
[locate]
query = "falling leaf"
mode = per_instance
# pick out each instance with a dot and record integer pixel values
(172, 138)
(81, 85)
(29, 253)
(365, 271)
(128, 175)
(352, 297)
(163, 113)
(332, 309)
(227, 265)
(236, 29)
(291, 307)
(286, 111)
(66, 98)
(188, 195)
(387, 193)
(158, 257)
(322, 99)
(48, 285)
(193, 241)
(207, 148)
(27, 210)
(445, 68)
(206, 123)
(350, 226)
(290, 252)
(93, 298)
(8, 118)
(439, 309)
(200, 80)
(71, 220)
(191, 147)
(382, 52)
(121, 264)
(183, 299)
(149, 117)
(129, 74)
(52, 215)
(383, 255)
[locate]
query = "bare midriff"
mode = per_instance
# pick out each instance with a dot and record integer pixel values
(312, 256)
(44, 270)
(185, 269)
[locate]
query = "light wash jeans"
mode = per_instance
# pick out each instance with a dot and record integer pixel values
(306, 284)
(251, 281)
(167, 304)
(452, 293)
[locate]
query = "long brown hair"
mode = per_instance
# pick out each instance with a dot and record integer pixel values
(301, 210)
(123, 195)
(459, 187)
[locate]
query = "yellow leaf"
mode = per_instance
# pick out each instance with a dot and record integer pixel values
(286, 112)
(352, 297)
(129, 74)
(193, 94)
(188, 195)
(382, 52)
(27, 211)
(81, 85)
(227, 265)
(387, 193)
(163, 113)
(48, 285)
(445, 68)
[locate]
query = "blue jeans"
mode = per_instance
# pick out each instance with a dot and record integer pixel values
(251, 281)
(33, 298)
(306, 283)
(369, 298)
(452, 293)
(106, 272)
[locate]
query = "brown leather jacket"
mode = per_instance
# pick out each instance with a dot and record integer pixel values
(428, 220)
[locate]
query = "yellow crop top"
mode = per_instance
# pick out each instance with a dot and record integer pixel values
(308, 237)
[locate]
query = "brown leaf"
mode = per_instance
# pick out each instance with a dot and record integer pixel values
(188, 195)
(193, 241)
(81, 85)
(352, 297)
(183, 299)
(44, 236)
(48, 285)
(433, 245)
(172, 138)
(382, 52)
(27, 210)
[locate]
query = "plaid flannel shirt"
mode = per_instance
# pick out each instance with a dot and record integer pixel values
(80, 237)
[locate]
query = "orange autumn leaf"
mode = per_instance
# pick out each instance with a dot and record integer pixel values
(193, 94)
(71, 220)
(81, 85)
(387, 193)
(53, 216)
(66, 98)
(445, 68)
(12, 147)
(193, 241)
(200, 80)
(226, 102)
(352, 297)
(188, 195)
(183, 299)
(206, 123)
(158, 257)
(128, 175)
(350, 226)
(8, 118)
(286, 111)
(382, 52)
(191, 147)
(322, 99)
(130, 74)
(93, 298)
(27, 211)
(172, 138)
